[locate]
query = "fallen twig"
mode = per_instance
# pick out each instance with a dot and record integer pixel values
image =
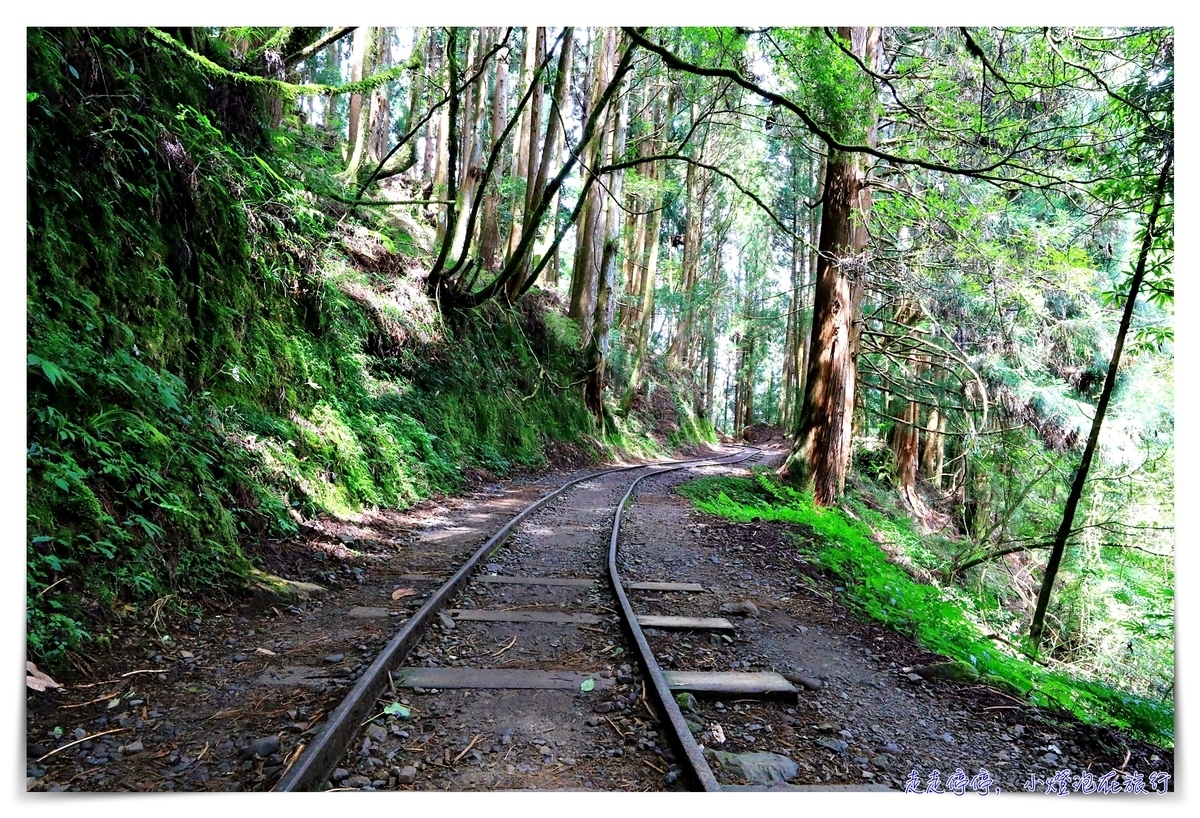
(646, 761)
(506, 647)
(80, 741)
(105, 697)
(466, 749)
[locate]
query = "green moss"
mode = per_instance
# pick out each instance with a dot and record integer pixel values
(941, 619)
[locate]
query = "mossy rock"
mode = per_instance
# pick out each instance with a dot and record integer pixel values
(270, 590)
(950, 671)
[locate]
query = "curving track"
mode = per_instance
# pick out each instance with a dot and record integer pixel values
(557, 549)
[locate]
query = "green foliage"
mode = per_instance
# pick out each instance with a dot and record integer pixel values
(942, 620)
(210, 356)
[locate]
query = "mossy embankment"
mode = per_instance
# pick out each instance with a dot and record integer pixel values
(846, 542)
(215, 355)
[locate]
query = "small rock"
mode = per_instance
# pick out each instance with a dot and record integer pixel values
(915, 677)
(239, 657)
(80, 734)
(334, 658)
(134, 747)
(604, 707)
(407, 775)
(339, 775)
(446, 621)
(756, 768)
(1050, 758)
(742, 607)
(808, 682)
(493, 567)
(836, 744)
(687, 701)
(263, 747)
(377, 732)
(946, 737)
(883, 761)
(358, 781)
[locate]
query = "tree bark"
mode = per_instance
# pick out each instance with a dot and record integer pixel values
(821, 453)
(363, 38)
(605, 298)
(589, 242)
(490, 242)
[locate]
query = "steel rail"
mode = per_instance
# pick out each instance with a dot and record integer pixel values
(687, 750)
(318, 760)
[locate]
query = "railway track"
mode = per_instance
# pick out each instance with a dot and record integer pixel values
(538, 626)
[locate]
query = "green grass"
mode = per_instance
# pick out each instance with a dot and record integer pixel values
(939, 619)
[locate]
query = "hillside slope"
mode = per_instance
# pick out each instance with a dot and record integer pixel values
(214, 354)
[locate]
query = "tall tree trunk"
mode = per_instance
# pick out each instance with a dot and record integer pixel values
(377, 144)
(429, 158)
(541, 157)
(362, 62)
(931, 451)
(525, 135)
(589, 242)
(490, 242)
(606, 295)
(821, 452)
(679, 352)
(1037, 627)
(644, 316)
(474, 107)
(648, 266)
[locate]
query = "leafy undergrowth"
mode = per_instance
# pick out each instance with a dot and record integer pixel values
(941, 621)
(214, 353)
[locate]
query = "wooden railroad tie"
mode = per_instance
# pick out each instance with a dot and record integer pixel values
(770, 686)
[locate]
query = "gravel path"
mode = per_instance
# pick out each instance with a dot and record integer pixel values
(223, 702)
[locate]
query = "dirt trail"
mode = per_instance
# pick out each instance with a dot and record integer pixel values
(221, 703)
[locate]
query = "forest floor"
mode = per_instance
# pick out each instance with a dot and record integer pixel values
(220, 703)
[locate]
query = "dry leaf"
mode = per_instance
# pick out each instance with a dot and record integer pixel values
(400, 593)
(265, 651)
(36, 680)
(718, 732)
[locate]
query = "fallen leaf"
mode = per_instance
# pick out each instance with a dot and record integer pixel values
(718, 732)
(400, 593)
(588, 685)
(36, 680)
(265, 651)
(397, 709)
